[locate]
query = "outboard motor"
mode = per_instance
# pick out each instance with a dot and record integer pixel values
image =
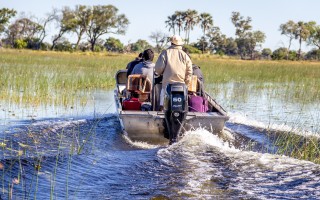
(175, 108)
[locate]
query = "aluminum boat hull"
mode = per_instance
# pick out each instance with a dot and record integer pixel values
(148, 126)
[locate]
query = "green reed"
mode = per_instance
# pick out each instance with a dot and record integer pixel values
(34, 78)
(294, 81)
(298, 146)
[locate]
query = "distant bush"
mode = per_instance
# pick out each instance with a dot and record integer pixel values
(113, 44)
(20, 44)
(314, 54)
(281, 54)
(63, 46)
(192, 49)
(266, 53)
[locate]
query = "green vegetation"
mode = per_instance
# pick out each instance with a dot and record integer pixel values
(91, 23)
(40, 77)
(33, 77)
(298, 146)
(36, 77)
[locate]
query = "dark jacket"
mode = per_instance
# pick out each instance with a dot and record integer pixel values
(131, 65)
(197, 71)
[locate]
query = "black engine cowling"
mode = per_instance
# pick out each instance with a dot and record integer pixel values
(175, 108)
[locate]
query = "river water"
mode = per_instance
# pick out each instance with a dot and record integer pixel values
(80, 153)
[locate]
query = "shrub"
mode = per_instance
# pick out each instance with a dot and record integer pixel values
(20, 44)
(192, 49)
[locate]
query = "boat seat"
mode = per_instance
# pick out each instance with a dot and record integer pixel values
(121, 80)
(139, 86)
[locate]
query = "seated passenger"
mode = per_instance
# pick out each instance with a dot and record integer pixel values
(146, 67)
(131, 64)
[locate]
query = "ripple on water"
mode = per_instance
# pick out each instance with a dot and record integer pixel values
(213, 167)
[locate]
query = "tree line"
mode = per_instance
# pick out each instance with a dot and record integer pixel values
(90, 23)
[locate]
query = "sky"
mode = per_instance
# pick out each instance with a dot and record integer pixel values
(147, 16)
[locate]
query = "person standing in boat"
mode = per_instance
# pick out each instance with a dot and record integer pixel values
(133, 63)
(146, 67)
(175, 66)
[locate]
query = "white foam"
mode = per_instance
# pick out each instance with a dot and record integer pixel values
(139, 144)
(240, 118)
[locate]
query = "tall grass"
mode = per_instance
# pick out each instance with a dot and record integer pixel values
(33, 77)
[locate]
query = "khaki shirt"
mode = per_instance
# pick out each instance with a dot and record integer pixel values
(175, 65)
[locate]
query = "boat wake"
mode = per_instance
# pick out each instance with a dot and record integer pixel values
(239, 118)
(206, 162)
(139, 144)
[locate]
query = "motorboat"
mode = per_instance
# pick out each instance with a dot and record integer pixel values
(137, 103)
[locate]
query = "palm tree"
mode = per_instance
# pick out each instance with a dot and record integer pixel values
(191, 18)
(171, 23)
(206, 23)
(179, 20)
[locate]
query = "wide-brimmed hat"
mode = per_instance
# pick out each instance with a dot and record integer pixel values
(177, 40)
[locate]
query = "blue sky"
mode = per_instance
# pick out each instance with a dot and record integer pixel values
(147, 16)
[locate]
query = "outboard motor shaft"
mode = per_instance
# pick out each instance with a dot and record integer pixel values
(175, 108)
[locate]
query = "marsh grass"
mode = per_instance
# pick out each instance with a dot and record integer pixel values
(34, 78)
(289, 81)
(60, 78)
(298, 146)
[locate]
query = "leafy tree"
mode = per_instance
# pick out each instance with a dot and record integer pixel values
(140, 46)
(24, 29)
(82, 16)
(254, 39)
(160, 38)
(314, 37)
(99, 46)
(289, 29)
(36, 43)
(113, 44)
(266, 53)
(314, 54)
(246, 39)
(302, 33)
(281, 54)
(202, 44)
(5, 15)
(65, 23)
(206, 23)
(242, 25)
(242, 28)
(103, 20)
(220, 44)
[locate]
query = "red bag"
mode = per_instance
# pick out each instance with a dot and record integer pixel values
(198, 104)
(131, 104)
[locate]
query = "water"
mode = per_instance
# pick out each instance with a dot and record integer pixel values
(81, 154)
